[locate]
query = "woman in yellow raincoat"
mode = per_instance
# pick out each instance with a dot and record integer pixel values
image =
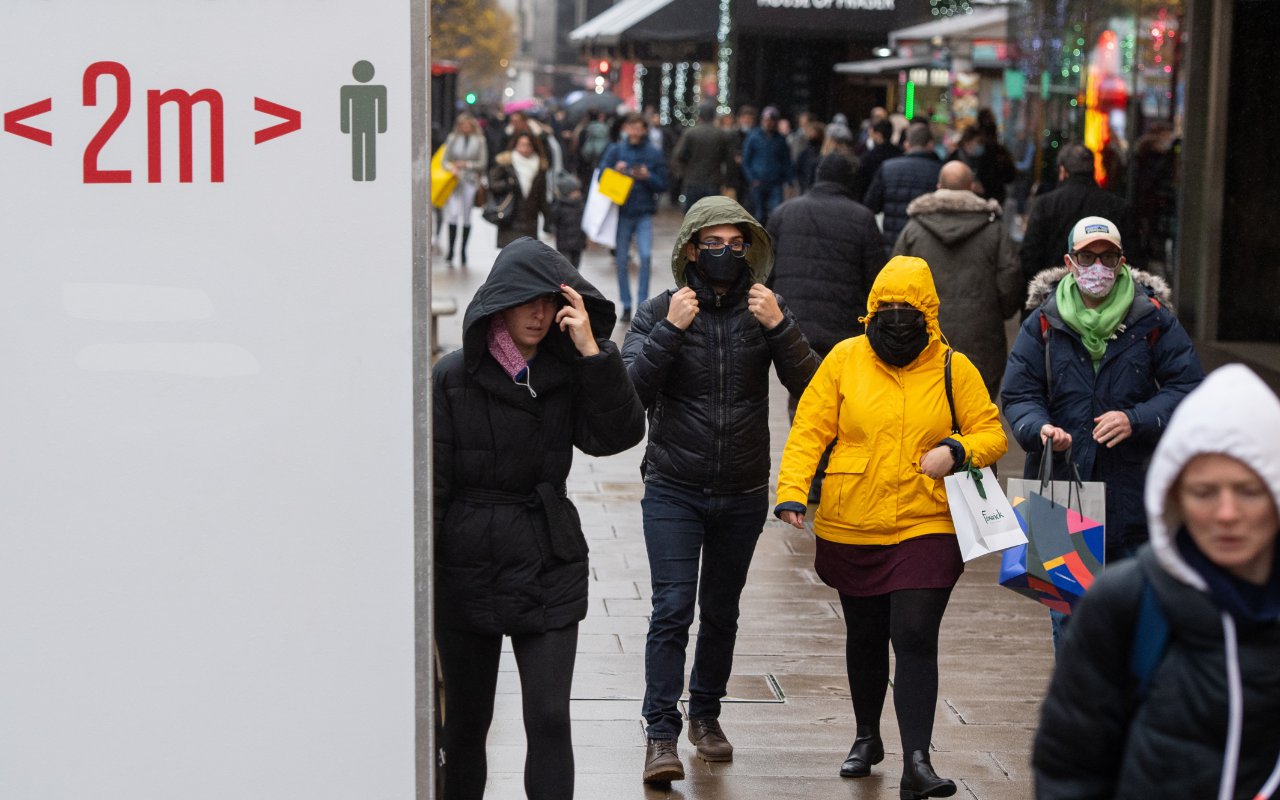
(885, 541)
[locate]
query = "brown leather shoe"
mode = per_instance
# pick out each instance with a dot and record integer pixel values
(662, 762)
(710, 740)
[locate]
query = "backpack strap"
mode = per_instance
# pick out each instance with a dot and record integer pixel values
(1150, 640)
(951, 399)
(1048, 366)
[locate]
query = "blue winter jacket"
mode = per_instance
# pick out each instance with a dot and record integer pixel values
(766, 158)
(1148, 367)
(643, 200)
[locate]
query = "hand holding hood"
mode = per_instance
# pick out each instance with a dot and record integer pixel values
(524, 270)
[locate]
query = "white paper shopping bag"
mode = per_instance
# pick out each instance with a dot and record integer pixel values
(599, 215)
(984, 520)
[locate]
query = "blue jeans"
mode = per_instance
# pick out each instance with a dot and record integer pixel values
(642, 228)
(681, 525)
(765, 197)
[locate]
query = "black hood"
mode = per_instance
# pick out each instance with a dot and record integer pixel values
(524, 270)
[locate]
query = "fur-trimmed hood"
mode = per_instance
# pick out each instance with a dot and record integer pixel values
(952, 201)
(953, 215)
(1045, 284)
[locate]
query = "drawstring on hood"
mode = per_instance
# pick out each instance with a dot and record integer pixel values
(1232, 413)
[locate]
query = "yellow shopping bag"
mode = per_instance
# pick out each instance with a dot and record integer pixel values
(443, 182)
(615, 186)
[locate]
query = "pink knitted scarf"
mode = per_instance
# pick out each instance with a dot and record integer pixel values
(503, 348)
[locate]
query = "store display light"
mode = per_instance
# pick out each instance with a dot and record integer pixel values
(723, 57)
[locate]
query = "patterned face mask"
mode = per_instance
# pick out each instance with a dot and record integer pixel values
(1095, 281)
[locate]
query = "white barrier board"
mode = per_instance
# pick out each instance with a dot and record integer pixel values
(206, 466)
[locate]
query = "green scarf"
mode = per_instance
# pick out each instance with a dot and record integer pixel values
(1095, 325)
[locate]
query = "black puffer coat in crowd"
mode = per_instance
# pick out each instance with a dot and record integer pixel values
(707, 387)
(827, 252)
(510, 553)
(1207, 723)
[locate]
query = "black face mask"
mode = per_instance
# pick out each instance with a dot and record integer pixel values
(898, 335)
(723, 269)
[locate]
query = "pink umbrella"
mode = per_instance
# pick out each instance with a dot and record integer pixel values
(519, 105)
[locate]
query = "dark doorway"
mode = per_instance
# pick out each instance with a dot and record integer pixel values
(1250, 285)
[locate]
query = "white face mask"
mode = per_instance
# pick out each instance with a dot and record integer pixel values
(1096, 280)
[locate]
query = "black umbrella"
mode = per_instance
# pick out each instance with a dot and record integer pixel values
(585, 102)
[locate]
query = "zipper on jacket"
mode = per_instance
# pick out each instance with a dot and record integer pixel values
(717, 340)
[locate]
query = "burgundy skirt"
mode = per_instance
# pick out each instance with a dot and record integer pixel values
(864, 570)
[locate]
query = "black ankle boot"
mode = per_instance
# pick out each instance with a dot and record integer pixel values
(867, 749)
(466, 234)
(920, 781)
(453, 234)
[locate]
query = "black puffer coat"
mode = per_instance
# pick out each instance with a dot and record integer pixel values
(899, 181)
(510, 554)
(826, 254)
(1093, 744)
(707, 388)
(1167, 684)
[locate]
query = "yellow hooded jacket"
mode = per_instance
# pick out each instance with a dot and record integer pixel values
(884, 419)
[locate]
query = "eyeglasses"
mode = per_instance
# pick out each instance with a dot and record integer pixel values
(1109, 259)
(716, 247)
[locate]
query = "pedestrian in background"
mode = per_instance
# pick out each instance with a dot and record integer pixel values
(703, 156)
(466, 156)
(536, 377)
(901, 180)
(882, 149)
(699, 356)
(826, 254)
(1167, 685)
(766, 165)
(806, 163)
(521, 172)
(966, 242)
(633, 155)
(885, 540)
(566, 216)
(1055, 213)
(1095, 373)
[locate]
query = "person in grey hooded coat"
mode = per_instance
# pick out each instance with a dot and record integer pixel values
(965, 241)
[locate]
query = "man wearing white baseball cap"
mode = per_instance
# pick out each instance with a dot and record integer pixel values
(1096, 372)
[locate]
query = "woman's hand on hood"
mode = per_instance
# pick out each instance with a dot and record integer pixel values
(574, 321)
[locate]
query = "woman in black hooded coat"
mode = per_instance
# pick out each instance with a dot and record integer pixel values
(536, 377)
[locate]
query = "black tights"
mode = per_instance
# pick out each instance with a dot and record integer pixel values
(910, 618)
(469, 666)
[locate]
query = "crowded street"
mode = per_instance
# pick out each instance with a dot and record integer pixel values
(788, 703)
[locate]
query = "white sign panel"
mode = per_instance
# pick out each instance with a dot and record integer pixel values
(206, 473)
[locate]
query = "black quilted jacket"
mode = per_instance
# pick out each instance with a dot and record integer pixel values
(510, 553)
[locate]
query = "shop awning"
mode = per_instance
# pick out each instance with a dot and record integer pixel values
(984, 23)
(881, 66)
(650, 21)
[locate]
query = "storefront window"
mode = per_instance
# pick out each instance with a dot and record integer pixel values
(1106, 73)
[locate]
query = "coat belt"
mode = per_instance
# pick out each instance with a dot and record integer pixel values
(554, 500)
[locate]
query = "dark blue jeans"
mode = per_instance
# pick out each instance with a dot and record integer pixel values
(680, 526)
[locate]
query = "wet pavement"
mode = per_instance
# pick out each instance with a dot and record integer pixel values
(788, 713)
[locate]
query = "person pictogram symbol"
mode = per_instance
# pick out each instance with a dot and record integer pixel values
(364, 116)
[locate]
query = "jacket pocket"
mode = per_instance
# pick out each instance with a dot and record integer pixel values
(840, 487)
